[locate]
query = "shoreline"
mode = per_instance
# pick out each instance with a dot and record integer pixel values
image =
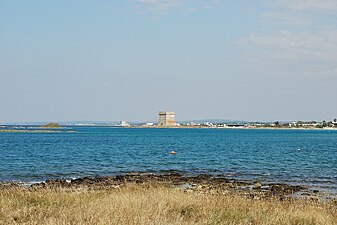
(42, 130)
(201, 183)
(30, 131)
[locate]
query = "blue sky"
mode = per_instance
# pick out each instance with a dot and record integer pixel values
(126, 60)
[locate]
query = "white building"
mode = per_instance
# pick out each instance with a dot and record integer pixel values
(123, 124)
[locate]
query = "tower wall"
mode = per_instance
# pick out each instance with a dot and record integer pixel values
(167, 119)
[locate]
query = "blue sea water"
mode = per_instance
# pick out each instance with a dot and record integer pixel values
(307, 157)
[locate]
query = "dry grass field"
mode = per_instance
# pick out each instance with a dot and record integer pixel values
(153, 204)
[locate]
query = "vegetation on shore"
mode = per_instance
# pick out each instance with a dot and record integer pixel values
(153, 204)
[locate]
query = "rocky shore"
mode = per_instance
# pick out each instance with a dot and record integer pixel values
(203, 184)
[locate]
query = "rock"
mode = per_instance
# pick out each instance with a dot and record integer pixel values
(204, 177)
(257, 185)
(305, 194)
(56, 182)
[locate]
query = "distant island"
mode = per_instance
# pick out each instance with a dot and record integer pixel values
(51, 125)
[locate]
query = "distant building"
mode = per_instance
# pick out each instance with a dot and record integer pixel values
(167, 119)
(334, 122)
(123, 124)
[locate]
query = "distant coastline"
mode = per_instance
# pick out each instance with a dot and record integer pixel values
(34, 131)
(206, 123)
(239, 127)
(22, 129)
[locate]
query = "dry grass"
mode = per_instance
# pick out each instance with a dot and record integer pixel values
(152, 204)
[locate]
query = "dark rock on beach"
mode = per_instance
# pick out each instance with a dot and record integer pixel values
(203, 183)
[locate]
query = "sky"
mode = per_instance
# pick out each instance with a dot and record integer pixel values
(104, 60)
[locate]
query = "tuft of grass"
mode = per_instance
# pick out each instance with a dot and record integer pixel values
(153, 204)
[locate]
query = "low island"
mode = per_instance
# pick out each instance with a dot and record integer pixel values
(47, 128)
(51, 125)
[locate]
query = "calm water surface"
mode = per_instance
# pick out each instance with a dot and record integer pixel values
(294, 156)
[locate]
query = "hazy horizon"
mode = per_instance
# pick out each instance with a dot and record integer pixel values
(104, 60)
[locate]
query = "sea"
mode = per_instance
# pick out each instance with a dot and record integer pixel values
(301, 157)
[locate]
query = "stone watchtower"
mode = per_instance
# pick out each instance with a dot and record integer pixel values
(167, 119)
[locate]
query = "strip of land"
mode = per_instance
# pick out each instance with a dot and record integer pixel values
(162, 199)
(34, 131)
